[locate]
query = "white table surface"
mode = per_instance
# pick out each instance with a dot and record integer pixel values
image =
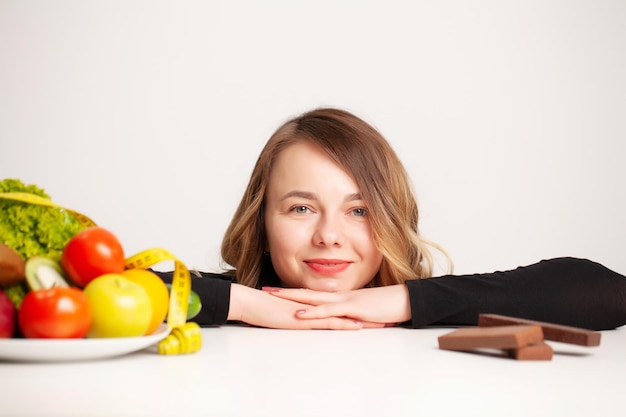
(244, 371)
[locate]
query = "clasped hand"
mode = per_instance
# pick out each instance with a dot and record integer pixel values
(287, 308)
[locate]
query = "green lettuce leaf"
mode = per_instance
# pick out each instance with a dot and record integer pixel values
(33, 230)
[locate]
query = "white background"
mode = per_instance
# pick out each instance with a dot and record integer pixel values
(148, 116)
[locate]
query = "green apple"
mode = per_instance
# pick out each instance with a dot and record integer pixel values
(120, 307)
(194, 304)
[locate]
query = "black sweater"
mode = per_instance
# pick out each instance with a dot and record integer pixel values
(567, 291)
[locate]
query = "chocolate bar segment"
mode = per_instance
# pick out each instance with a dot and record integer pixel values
(555, 332)
(501, 337)
(535, 352)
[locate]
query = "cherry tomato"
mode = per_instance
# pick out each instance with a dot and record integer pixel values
(61, 312)
(90, 253)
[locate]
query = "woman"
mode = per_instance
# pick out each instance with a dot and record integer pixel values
(326, 236)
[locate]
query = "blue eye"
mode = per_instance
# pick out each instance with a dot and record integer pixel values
(300, 209)
(359, 212)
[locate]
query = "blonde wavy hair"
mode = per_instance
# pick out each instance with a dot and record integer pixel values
(381, 178)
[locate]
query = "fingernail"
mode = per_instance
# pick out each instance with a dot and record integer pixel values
(300, 311)
(358, 323)
(271, 289)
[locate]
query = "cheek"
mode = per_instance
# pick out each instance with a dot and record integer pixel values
(279, 236)
(364, 239)
(374, 261)
(283, 243)
(372, 256)
(286, 266)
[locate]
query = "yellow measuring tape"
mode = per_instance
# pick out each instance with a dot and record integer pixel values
(184, 337)
(35, 199)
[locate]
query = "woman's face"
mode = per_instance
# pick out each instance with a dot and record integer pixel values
(317, 227)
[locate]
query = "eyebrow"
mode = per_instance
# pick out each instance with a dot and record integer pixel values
(311, 196)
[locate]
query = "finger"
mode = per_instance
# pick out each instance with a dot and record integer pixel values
(326, 312)
(334, 323)
(343, 323)
(337, 310)
(322, 311)
(303, 295)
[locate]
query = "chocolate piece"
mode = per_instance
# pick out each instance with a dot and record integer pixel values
(555, 332)
(501, 337)
(540, 351)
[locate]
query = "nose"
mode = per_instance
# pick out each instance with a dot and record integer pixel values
(328, 232)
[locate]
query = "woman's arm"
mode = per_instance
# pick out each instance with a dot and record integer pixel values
(224, 301)
(384, 305)
(566, 291)
(259, 308)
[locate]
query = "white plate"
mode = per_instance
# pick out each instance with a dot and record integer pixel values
(55, 350)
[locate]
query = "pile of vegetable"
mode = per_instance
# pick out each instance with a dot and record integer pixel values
(60, 279)
(30, 230)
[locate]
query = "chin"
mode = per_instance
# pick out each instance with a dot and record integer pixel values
(327, 285)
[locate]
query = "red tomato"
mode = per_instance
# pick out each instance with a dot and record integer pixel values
(61, 312)
(90, 253)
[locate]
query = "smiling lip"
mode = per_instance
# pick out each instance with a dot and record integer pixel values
(327, 266)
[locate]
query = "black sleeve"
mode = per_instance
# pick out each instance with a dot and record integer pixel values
(214, 293)
(567, 291)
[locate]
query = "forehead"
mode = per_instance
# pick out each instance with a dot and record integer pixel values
(302, 165)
